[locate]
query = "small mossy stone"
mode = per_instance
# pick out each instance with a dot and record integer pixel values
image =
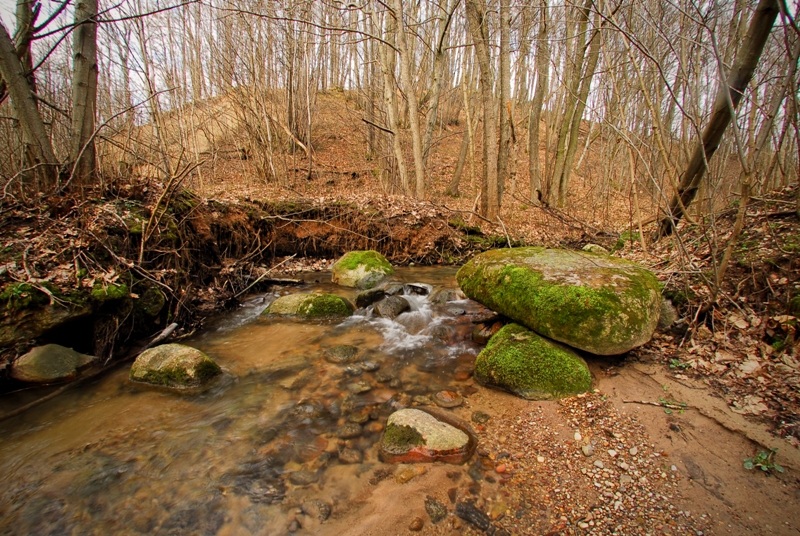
(340, 354)
(598, 303)
(310, 306)
(173, 365)
(521, 362)
(361, 269)
(325, 305)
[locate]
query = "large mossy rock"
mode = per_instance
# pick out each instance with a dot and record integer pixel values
(50, 363)
(310, 306)
(361, 269)
(520, 361)
(413, 436)
(174, 365)
(598, 303)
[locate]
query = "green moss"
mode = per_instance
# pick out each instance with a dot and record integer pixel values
(185, 201)
(401, 436)
(461, 225)
(107, 292)
(16, 296)
(371, 260)
(152, 301)
(794, 306)
(520, 361)
(626, 236)
(325, 305)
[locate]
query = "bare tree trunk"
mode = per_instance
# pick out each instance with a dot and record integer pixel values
(438, 71)
(738, 78)
(23, 101)
(542, 85)
(390, 100)
(411, 98)
(84, 91)
(479, 28)
(504, 152)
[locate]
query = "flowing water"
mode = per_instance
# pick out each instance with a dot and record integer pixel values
(280, 428)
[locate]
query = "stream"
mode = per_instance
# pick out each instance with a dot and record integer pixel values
(283, 428)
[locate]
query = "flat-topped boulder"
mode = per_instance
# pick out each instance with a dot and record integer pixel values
(310, 306)
(413, 436)
(51, 363)
(361, 269)
(595, 302)
(174, 365)
(528, 365)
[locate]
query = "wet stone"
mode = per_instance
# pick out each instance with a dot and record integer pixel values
(448, 399)
(340, 354)
(369, 366)
(359, 417)
(353, 370)
(348, 431)
(384, 376)
(436, 510)
(468, 512)
(317, 509)
(417, 289)
(359, 387)
(303, 478)
(462, 373)
(368, 297)
(416, 525)
(480, 417)
(422, 400)
(347, 455)
(395, 383)
(392, 307)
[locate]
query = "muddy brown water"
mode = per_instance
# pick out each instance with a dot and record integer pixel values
(115, 457)
(260, 445)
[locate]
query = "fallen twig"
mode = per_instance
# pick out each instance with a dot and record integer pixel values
(659, 404)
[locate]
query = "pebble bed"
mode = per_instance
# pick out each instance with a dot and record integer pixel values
(603, 478)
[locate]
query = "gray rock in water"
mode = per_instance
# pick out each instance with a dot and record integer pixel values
(436, 510)
(173, 365)
(368, 297)
(359, 387)
(283, 367)
(468, 512)
(597, 303)
(49, 364)
(347, 455)
(392, 307)
(444, 295)
(317, 509)
(303, 477)
(417, 289)
(340, 354)
(349, 430)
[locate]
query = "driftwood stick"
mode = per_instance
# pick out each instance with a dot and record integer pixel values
(658, 404)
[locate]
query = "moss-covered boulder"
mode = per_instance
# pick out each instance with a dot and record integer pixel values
(51, 363)
(174, 365)
(598, 303)
(310, 306)
(361, 269)
(413, 436)
(526, 364)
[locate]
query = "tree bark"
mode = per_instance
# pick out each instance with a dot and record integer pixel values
(542, 85)
(478, 27)
(411, 98)
(23, 102)
(738, 79)
(84, 91)
(504, 152)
